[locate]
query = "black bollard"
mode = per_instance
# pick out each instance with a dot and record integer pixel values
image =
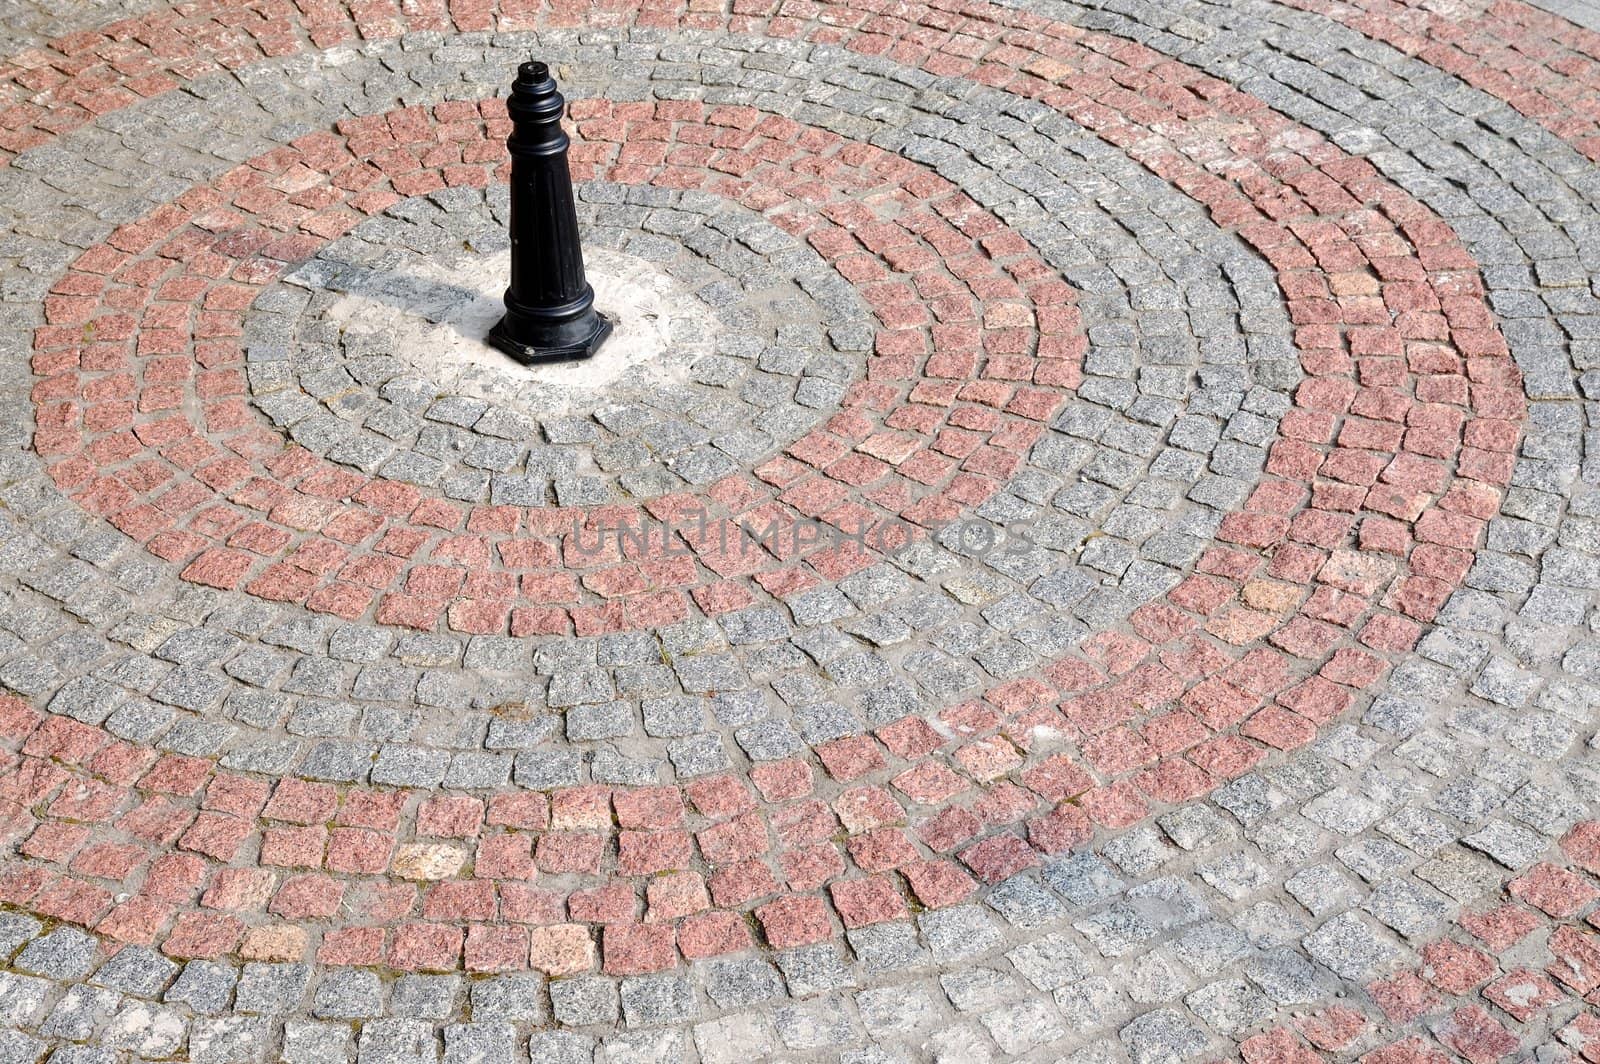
(550, 313)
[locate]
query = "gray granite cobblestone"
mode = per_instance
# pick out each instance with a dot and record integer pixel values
(1328, 865)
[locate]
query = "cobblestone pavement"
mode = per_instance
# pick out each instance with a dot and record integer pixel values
(1203, 666)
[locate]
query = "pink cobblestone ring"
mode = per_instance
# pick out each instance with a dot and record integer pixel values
(1080, 545)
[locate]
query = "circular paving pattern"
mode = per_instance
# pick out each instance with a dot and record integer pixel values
(721, 358)
(1102, 569)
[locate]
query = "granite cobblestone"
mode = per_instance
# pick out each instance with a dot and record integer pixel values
(1360, 850)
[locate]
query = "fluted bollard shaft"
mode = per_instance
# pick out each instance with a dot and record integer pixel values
(550, 313)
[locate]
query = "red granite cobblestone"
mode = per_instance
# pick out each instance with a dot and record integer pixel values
(427, 589)
(1396, 490)
(1536, 61)
(1479, 1006)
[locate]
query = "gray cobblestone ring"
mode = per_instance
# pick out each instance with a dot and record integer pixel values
(1413, 879)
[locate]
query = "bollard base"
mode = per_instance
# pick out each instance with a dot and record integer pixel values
(564, 347)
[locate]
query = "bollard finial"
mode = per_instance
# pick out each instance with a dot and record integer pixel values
(550, 313)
